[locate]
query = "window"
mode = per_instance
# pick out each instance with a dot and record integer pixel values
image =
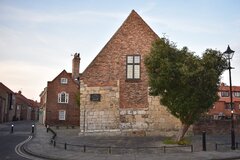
(236, 94)
(64, 80)
(133, 67)
(63, 97)
(224, 94)
(228, 106)
(62, 115)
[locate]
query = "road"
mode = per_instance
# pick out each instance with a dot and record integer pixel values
(21, 131)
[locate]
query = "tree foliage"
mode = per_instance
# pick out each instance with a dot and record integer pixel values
(187, 83)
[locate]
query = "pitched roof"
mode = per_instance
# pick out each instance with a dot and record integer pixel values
(133, 16)
(68, 74)
(5, 88)
(227, 88)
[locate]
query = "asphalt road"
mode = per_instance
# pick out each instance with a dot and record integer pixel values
(8, 140)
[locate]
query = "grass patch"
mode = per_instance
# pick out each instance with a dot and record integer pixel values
(185, 141)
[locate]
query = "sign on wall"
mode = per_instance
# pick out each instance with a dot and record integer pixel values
(95, 97)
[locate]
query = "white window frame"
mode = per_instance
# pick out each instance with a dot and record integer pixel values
(64, 80)
(224, 94)
(62, 115)
(63, 97)
(236, 93)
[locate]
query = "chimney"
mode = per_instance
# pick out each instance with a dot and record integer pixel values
(75, 66)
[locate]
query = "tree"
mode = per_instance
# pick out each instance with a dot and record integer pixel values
(187, 83)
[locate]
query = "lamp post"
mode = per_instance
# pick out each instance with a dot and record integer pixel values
(229, 54)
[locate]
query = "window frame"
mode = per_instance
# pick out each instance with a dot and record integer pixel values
(227, 106)
(66, 97)
(133, 64)
(64, 81)
(62, 117)
(236, 94)
(223, 95)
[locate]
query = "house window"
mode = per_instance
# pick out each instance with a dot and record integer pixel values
(64, 80)
(63, 97)
(224, 94)
(236, 94)
(62, 115)
(228, 106)
(133, 67)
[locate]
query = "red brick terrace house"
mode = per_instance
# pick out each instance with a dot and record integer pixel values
(25, 107)
(7, 104)
(114, 87)
(59, 99)
(222, 108)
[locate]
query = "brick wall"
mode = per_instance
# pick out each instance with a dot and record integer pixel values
(52, 105)
(134, 37)
(218, 127)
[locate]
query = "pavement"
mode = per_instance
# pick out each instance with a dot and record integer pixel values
(121, 148)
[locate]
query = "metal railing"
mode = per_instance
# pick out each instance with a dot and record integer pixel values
(124, 149)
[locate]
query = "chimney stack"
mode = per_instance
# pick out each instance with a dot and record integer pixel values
(76, 66)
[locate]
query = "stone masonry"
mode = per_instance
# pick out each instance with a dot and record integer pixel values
(106, 117)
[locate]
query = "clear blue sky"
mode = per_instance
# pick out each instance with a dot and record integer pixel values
(37, 38)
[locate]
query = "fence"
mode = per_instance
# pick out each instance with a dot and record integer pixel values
(122, 150)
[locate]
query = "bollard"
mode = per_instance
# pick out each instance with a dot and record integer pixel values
(204, 141)
(33, 128)
(191, 148)
(110, 150)
(84, 148)
(65, 146)
(47, 127)
(12, 128)
(164, 149)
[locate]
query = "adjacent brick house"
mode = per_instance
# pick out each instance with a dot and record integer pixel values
(7, 104)
(15, 106)
(114, 87)
(26, 109)
(59, 99)
(222, 108)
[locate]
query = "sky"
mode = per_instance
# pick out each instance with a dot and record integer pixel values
(38, 38)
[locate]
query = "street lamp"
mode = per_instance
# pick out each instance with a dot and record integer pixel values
(229, 54)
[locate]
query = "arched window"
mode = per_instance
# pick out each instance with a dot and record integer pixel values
(63, 97)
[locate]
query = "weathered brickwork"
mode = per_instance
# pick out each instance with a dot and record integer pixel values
(53, 107)
(125, 107)
(134, 37)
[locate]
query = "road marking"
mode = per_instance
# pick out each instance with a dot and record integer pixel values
(18, 148)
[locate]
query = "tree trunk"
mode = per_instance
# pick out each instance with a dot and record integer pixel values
(182, 132)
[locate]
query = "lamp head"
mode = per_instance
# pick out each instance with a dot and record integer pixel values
(228, 53)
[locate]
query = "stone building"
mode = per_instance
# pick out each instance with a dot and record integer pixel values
(114, 87)
(59, 99)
